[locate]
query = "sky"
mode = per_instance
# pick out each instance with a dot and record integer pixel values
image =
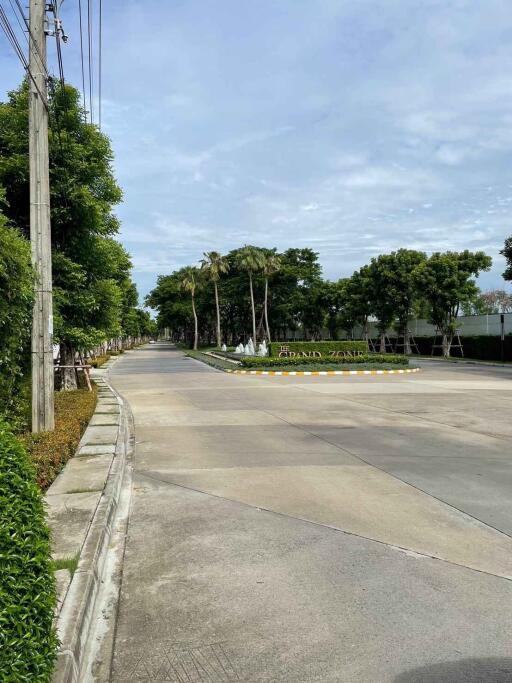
(354, 127)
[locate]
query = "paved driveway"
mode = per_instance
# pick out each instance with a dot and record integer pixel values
(292, 529)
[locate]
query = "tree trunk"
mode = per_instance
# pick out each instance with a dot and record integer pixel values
(67, 357)
(196, 333)
(219, 336)
(407, 341)
(447, 343)
(383, 342)
(266, 310)
(253, 310)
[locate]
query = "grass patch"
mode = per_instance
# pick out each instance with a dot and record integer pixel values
(210, 360)
(71, 491)
(98, 361)
(69, 563)
(50, 451)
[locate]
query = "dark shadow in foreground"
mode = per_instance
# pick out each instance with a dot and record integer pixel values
(490, 670)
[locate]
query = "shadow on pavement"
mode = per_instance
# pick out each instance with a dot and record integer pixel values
(490, 670)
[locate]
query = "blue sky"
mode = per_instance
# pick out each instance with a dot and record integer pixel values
(352, 127)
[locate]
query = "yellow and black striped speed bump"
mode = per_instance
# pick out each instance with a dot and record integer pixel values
(321, 373)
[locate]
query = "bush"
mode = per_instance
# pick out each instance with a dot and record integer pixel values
(28, 643)
(479, 347)
(367, 358)
(98, 361)
(16, 295)
(324, 347)
(51, 450)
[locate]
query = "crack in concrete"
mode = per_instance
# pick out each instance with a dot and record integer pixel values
(159, 479)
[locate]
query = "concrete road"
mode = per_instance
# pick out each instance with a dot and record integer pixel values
(292, 529)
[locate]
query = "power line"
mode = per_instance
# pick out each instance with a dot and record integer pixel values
(99, 62)
(13, 40)
(57, 31)
(82, 51)
(90, 57)
(23, 30)
(42, 61)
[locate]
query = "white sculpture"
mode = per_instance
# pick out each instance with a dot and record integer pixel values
(224, 348)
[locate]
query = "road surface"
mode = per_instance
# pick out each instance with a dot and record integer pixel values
(289, 529)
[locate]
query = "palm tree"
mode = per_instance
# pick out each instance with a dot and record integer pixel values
(271, 265)
(215, 265)
(188, 283)
(250, 259)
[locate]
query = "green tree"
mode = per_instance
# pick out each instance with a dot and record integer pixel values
(357, 301)
(296, 289)
(214, 265)
(271, 266)
(488, 303)
(383, 304)
(507, 253)
(250, 259)
(188, 283)
(16, 297)
(446, 281)
(90, 269)
(395, 290)
(331, 300)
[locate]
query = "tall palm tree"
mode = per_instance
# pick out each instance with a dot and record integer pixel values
(214, 265)
(188, 283)
(250, 259)
(271, 266)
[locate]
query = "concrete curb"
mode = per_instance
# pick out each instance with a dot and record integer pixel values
(78, 602)
(321, 373)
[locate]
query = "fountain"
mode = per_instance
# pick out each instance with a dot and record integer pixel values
(263, 350)
(224, 348)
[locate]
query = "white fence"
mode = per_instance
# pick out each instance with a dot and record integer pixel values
(468, 325)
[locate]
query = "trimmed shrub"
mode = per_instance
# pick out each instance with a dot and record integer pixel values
(16, 295)
(367, 358)
(479, 347)
(50, 451)
(323, 347)
(28, 643)
(98, 361)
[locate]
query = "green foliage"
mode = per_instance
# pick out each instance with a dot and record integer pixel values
(214, 265)
(479, 347)
(28, 642)
(325, 348)
(488, 303)
(363, 359)
(394, 286)
(49, 451)
(507, 253)
(94, 298)
(16, 296)
(446, 281)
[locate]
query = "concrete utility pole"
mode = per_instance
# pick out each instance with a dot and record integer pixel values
(40, 232)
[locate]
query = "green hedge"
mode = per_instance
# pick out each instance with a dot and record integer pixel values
(324, 347)
(28, 643)
(480, 347)
(366, 358)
